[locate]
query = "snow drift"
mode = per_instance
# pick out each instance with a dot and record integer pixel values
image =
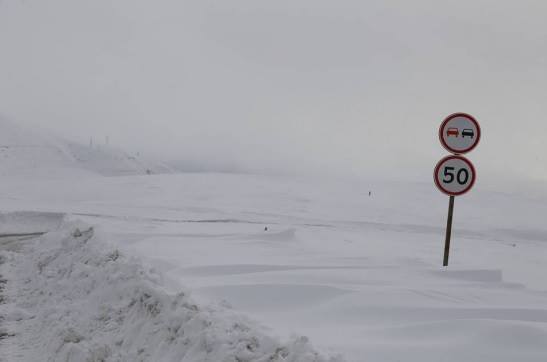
(71, 297)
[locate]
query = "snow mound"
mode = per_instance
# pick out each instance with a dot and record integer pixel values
(71, 297)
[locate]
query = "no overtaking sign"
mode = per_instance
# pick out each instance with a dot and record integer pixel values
(460, 133)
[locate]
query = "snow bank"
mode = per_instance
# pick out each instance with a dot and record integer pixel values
(71, 297)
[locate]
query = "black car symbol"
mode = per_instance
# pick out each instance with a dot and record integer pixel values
(468, 132)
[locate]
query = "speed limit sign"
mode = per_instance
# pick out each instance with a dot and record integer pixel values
(454, 175)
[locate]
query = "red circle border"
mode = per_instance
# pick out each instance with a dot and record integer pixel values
(468, 188)
(448, 119)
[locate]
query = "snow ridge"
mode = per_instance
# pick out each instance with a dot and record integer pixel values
(72, 297)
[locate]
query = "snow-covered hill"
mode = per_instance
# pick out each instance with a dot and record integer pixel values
(110, 161)
(26, 151)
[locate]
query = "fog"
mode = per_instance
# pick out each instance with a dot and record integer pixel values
(349, 87)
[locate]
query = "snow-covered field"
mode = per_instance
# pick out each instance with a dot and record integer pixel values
(222, 267)
(360, 276)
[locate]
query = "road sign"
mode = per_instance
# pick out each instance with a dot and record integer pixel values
(455, 175)
(460, 133)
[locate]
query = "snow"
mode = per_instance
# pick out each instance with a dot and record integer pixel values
(28, 152)
(71, 297)
(359, 276)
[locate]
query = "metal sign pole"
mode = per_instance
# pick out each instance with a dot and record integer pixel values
(448, 230)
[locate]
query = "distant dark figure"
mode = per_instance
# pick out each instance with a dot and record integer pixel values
(266, 228)
(369, 193)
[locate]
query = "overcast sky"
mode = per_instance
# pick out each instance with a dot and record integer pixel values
(342, 86)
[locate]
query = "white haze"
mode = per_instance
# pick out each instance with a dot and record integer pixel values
(340, 87)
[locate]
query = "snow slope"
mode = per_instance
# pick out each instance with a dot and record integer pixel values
(71, 297)
(27, 152)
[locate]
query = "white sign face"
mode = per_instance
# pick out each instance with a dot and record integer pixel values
(460, 133)
(454, 175)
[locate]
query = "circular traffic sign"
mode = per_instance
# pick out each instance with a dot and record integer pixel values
(460, 133)
(455, 175)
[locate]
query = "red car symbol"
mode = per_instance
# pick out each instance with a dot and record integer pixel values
(452, 132)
